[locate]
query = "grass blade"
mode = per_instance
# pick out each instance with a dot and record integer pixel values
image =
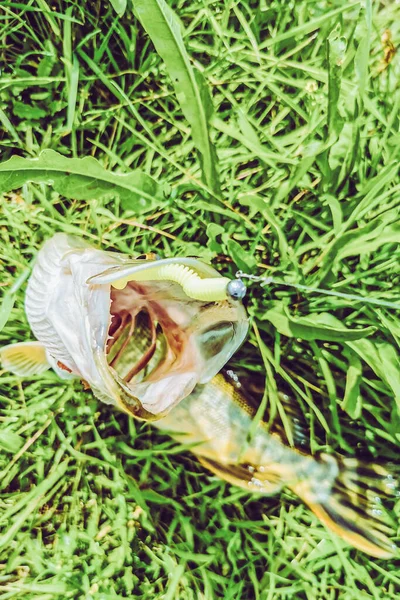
(9, 298)
(336, 56)
(193, 95)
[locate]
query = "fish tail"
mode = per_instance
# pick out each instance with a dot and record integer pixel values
(348, 501)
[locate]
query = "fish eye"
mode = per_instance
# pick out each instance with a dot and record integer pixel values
(236, 289)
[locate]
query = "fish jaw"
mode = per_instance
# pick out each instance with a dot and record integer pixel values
(66, 315)
(70, 307)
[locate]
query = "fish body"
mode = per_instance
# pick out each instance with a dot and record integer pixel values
(150, 336)
(345, 494)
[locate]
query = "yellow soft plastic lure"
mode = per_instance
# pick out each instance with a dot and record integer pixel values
(206, 289)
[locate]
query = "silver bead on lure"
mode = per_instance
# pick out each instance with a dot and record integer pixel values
(83, 305)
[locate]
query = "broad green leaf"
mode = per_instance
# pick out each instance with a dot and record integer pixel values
(362, 240)
(392, 324)
(10, 442)
(193, 95)
(50, 57)
(28, 111)
(119, 6)
(352, 403)
(243, 259)
(383, 360)
(313, 327)
(361, 63)
(336, 56)
(82, 179)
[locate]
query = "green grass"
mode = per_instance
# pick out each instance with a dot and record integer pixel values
(306, 129)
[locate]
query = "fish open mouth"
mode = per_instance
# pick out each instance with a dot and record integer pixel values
(127, 353)
(151, 343)
(161, 340)
(141, 333)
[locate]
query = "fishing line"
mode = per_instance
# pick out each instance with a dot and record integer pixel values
(264, 281)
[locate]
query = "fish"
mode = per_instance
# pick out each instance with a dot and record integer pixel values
(83, 303)
(214, 415)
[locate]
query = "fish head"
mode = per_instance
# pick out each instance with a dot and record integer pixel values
(142, 333)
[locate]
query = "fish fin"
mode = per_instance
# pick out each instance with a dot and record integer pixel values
(353, 508)
(246, 476)
(24, 358)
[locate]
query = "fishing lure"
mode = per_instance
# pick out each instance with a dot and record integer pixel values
(83, 305)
